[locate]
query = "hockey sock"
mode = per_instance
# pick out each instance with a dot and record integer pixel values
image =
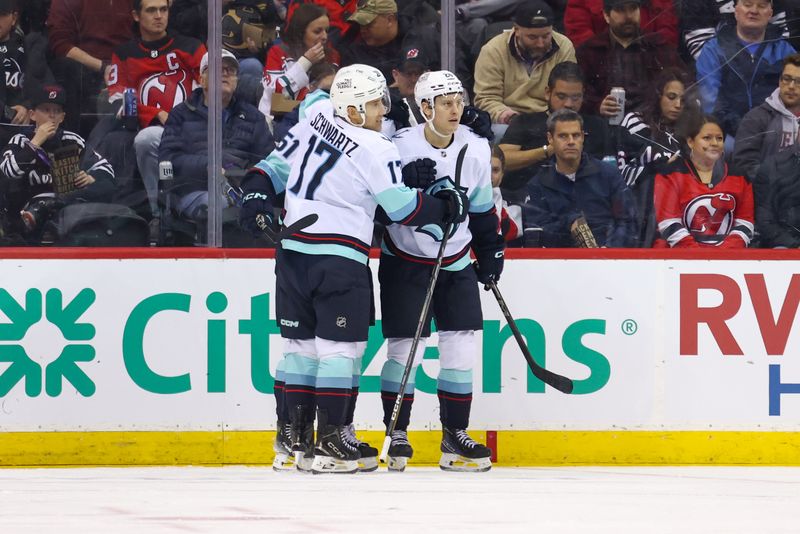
(281, 407)
(455, 397)
(391, 376)
(299, 379)
(333, 387)
(351, 408)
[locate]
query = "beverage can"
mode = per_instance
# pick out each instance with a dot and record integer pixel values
(619, 94)
(130, 103)
(165, 170)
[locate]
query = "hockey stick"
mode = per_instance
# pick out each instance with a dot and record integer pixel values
(426, 304)
(296, 226)
(561, 383)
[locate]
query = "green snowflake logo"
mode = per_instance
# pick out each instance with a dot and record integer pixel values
(65, 318)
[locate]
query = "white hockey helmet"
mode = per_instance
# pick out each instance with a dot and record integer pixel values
(355, 85)
(435, 83)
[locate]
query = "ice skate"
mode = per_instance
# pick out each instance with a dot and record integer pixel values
(334, 453)
(302, 445)
(284, 459)
(462, 453)
(400, 451)
(369, 454)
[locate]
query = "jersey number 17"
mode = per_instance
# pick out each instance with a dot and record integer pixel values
(320, 147)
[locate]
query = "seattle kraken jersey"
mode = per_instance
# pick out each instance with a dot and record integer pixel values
(341, 173)
(421, 244)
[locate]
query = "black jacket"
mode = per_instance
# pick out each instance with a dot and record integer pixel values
(777, 200)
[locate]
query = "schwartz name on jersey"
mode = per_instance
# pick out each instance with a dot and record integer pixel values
(342, 173)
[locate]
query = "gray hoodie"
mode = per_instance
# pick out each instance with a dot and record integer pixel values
(764, 131)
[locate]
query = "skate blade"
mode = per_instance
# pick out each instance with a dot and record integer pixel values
(368, 464)
(283, 462)
(304, 465)
(397, 463)
(454, 462)
(326, 464)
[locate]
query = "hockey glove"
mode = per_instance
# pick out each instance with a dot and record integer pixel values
(478, 121)
(420, 173)
(489, 266)
(456, 206)
(256, 208)
(399, 113)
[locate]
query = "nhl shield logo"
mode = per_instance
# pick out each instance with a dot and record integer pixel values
(341, 321)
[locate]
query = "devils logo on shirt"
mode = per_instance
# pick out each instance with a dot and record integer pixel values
(164, 90)
(709, 218)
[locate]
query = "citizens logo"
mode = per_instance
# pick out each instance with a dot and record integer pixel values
(24, 328)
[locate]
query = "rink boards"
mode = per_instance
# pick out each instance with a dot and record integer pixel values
(160, 357)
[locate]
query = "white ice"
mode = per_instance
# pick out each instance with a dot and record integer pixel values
(241, 500)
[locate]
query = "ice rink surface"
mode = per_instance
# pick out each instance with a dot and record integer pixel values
(242, 500)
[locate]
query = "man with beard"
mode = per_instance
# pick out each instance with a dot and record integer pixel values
(622, 57)
(512, 69)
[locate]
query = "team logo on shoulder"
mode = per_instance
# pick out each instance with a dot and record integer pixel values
(436, 231)
(341, 321)
(709, 218)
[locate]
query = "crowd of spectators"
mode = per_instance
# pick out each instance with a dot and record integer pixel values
(702, 152)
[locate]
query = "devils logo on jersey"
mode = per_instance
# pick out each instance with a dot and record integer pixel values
(709, 218)
(164, 90)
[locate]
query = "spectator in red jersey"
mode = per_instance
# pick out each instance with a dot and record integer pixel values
(699, 202)
(583, 19)
(163, 69)
(83, 35)
(305, 43)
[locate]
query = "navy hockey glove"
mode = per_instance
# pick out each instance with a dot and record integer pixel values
(456, 205)
(254, 206)
(489, 266)
(420, 173)
(478, 121)
(399, 114)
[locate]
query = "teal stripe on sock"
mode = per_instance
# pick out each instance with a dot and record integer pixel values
(392, 375)
(299, 369)
(356, 372)
(454, 381)
(336, 372)
(280, 371)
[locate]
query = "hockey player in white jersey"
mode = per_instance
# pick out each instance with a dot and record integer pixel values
(405, 270)
(342, 170)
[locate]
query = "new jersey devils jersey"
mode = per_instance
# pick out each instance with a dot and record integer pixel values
(163, 72)
(690, 213)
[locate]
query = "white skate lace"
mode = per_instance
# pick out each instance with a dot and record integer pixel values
(400, 437)
(349, 439)
(464, 439)
(350, 433)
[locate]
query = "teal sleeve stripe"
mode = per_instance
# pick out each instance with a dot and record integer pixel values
(277, 169)
(398, 202)
(456, 376)
(287, 87)
(325, 249)
(480, 199)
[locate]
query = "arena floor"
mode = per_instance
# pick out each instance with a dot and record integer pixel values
(241, 500)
